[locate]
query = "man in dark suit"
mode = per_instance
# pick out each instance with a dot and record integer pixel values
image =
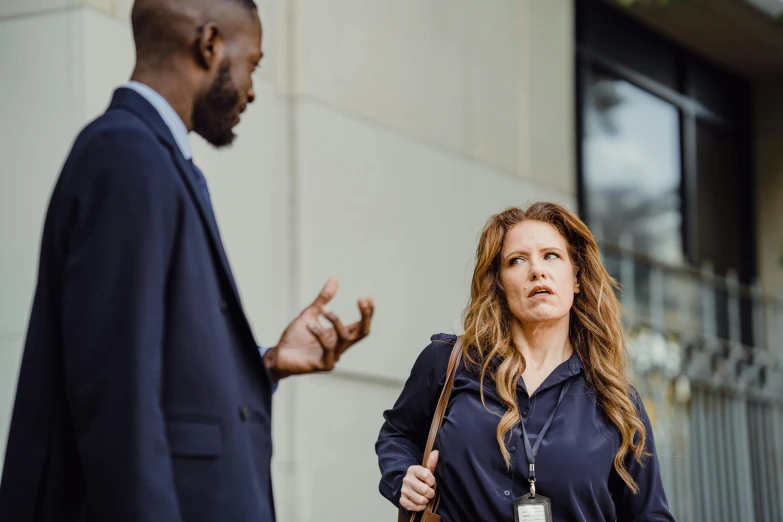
(142, 394)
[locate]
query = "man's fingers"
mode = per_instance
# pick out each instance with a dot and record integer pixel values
(354, 336)
(367, 308)
(355, 332)
(330, 357)
(326, 295)
(328, 340)
(342, 332)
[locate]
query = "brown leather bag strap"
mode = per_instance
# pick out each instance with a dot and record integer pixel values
(443, 401)
(437, 418)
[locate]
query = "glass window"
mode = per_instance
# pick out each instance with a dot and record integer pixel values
(632, 167)
(665, 171)
(718, 199)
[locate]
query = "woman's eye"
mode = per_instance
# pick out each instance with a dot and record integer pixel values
(550, 256)
(516, 261)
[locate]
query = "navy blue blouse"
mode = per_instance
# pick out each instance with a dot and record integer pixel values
(574, 467)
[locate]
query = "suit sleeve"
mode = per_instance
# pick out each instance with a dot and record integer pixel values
(649, 504)
(120, 229)
(403, 436)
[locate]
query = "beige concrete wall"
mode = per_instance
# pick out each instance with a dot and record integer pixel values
(414, 121)
(383, 136)
(18, 8)
(41, 108)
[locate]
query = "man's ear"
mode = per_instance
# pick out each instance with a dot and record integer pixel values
(209, 46)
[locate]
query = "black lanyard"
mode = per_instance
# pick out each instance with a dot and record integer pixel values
(532, 453)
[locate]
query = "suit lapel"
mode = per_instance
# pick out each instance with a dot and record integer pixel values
(210, 224)
(130, 100)
(208, 218)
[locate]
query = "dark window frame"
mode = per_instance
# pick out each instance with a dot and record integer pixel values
(692, 112)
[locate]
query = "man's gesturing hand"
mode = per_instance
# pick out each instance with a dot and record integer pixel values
(306, 346)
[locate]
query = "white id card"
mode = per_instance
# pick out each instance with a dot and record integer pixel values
(537, 509)
(531, 513)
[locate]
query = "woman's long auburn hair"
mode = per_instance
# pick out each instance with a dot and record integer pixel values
(595, 332)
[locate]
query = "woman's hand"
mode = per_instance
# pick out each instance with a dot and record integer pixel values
(418, 486)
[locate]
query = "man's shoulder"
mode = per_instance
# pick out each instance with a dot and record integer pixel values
(118, 140)
(118, 149)
(116, 127)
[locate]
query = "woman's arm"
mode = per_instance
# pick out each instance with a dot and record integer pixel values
(403, 436)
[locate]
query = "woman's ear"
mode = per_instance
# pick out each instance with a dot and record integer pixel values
(577, 286)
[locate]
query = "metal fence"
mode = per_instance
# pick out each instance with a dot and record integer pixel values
(708, 361)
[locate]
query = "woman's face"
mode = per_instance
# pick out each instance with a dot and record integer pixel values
(537, 273)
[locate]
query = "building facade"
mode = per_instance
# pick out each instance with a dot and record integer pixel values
(384, 134)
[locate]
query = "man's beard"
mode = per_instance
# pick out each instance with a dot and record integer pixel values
(214, 113)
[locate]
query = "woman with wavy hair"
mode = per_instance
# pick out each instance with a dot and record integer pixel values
(543, 380)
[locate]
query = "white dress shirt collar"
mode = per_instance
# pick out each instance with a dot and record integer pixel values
(167, 113)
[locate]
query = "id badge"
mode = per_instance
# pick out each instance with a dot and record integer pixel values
(537, 509)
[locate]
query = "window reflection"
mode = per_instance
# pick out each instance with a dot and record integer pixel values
(632, 167)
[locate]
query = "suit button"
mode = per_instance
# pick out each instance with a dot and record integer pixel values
(223, 306)
(244, 414)
(513, 448)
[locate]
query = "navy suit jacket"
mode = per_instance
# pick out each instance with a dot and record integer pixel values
(142, 395)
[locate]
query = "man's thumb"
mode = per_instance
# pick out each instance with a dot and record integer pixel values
(326, 295)
(432, 462)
